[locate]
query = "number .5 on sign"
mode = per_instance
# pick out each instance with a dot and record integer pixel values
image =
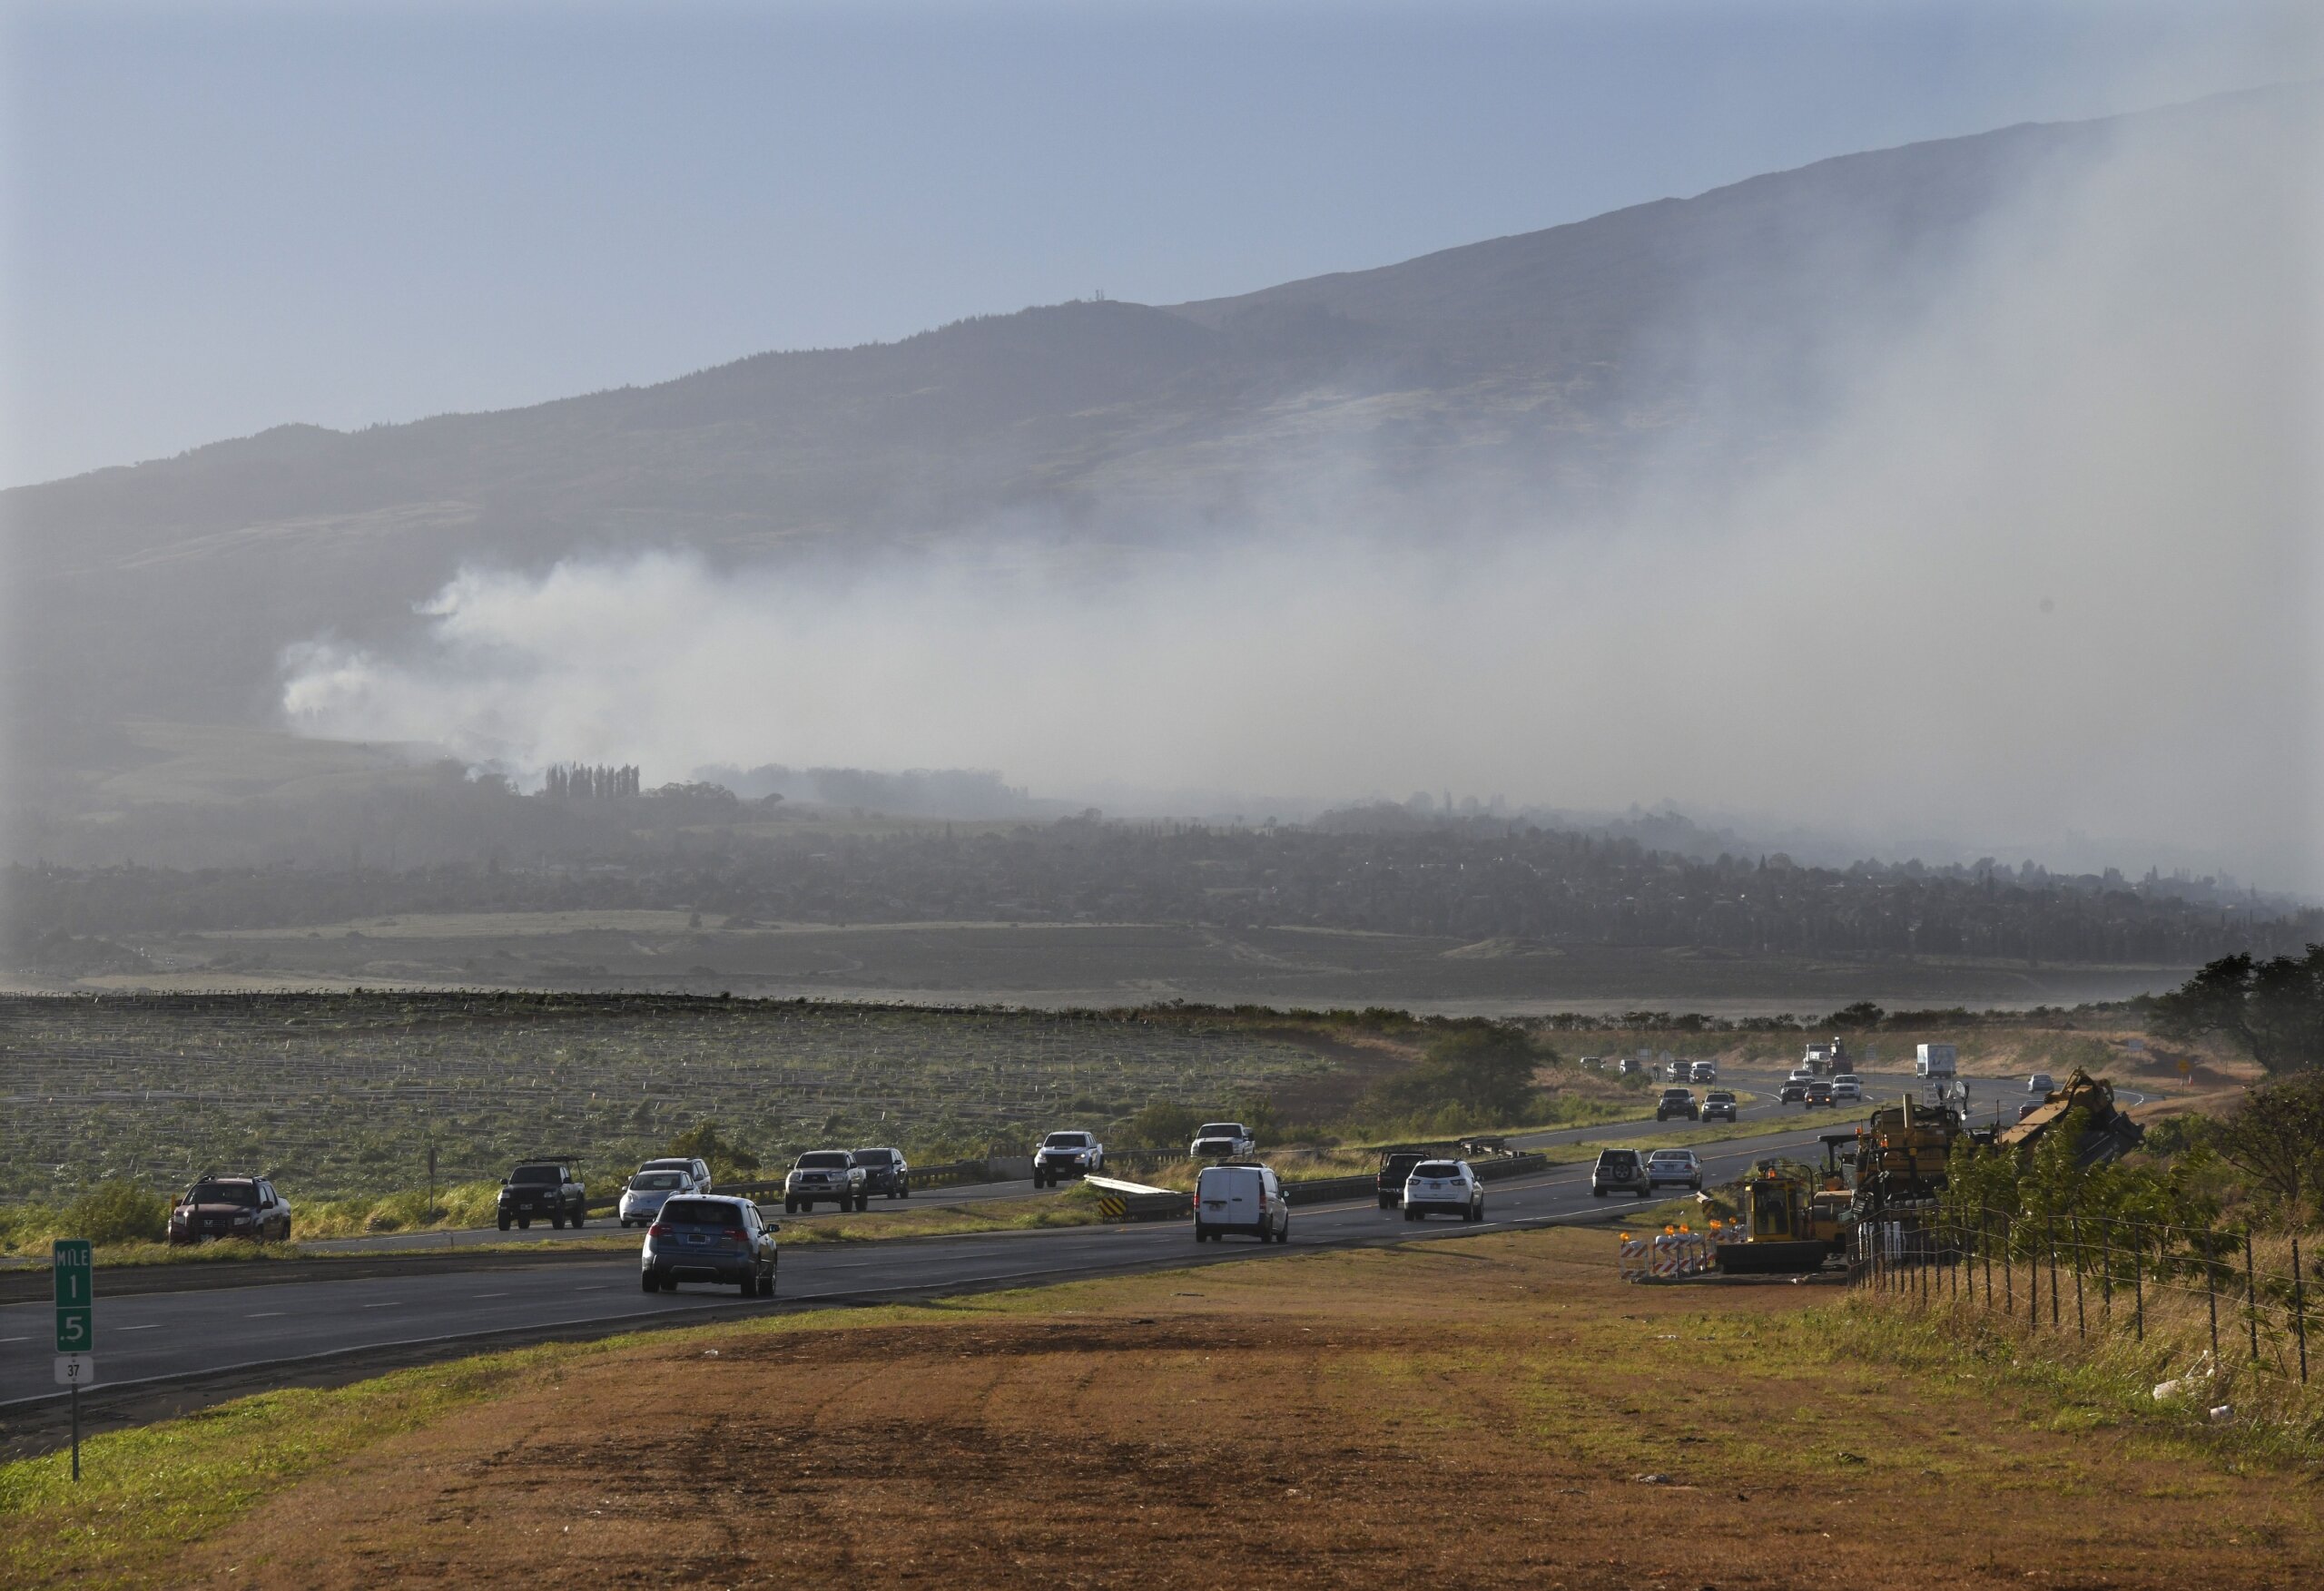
(74, 1270)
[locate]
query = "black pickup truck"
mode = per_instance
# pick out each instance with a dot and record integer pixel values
(1395, 1171)
(537, 1188)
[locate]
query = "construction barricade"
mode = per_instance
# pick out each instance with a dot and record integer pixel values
(1632, 1266)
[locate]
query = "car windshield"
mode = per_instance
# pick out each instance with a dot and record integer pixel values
(1720, 1096)
(1066, 1141)
(655, 1182)
(1673, 1157)
(874, 1156)
(242, 1194)
(684, 1165)
(1676, 1093)
(700, 1213)
(1436, 1168)
(537, 1173)
(823, 1160)
(1219, 1130)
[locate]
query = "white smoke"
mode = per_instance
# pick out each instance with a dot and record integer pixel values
(2050, 568)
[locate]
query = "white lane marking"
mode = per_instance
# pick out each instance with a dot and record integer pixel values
(154, 1327)
(386, 1304)
(489, 1295)
(594, 1287)
(267, 1315)
(14, 1339)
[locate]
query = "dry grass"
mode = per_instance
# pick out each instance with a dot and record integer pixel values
(1478, 1409)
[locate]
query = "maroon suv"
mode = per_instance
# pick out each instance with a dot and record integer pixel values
(230, 1206)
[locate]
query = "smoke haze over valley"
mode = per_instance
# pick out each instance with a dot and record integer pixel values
(1985, 507)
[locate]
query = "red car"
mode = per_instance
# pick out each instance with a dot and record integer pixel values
(230, 1206)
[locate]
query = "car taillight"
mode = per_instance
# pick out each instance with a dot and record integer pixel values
(738, 1234)
(658, 1229)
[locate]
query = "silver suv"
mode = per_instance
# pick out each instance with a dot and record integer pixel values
(824, 1176)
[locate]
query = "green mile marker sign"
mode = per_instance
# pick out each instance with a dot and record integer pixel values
(76, 1273)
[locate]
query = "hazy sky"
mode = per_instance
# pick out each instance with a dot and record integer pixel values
(219, 218)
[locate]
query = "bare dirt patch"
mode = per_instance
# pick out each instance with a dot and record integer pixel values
(1481, 1409)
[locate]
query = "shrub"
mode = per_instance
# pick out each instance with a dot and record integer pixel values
(119, 1212)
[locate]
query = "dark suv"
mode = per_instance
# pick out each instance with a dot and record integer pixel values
(1395, 1171)
(885, 1172)
(230, 1206)
(1676, 1101)
(543, 1187)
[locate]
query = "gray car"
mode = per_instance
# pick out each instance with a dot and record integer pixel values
(701, 1237)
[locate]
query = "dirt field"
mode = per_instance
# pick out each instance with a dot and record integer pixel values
(1480, 1413)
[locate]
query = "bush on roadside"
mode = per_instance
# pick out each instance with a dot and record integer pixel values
(118, 1211)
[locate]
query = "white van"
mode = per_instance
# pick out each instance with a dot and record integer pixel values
(1936, 1060)
(1241, 1198)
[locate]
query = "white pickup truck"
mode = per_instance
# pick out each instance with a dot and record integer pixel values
(1067, 1154)
(1221, 1140)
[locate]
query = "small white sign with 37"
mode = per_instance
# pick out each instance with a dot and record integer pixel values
(77, 1369)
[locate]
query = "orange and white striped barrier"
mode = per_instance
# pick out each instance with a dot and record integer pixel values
(1632, 1263)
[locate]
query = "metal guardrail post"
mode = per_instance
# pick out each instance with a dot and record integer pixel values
(2050, 1242)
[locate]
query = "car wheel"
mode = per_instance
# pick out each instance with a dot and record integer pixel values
(580, 1217)
(504, 1223)
(750, 1285)
(669, 1284)
(863, 1201)
(1199, 1233)
(524, 1223)
(645, 1280)
(556, 1219)
(1412, 1215)
(907, 1192)
(766, 1283)
(1597, 1192)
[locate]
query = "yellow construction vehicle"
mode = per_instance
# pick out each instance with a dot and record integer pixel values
(1789, 1223)
(2107, 1132)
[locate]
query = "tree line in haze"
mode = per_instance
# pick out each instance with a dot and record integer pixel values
(1467, 883)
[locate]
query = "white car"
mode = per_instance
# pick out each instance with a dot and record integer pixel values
(1703, 1072)
(1846, 1089)
(824, 1175)
(1443, 1187)
(1221, 1140)
(696, 1172)
(2039, 1083)
(643, 1196)
(1677, 1167)
(1241, 1198)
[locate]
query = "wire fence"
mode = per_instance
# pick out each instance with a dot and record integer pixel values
(2247, 1295)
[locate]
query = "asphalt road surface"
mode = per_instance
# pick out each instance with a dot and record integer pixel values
(159, 1336)
(1877, 1085)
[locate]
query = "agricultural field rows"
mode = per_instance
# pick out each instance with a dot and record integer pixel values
(336, 1095)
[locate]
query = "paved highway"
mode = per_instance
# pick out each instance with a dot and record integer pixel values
(158, 1336)
(1764, 1108)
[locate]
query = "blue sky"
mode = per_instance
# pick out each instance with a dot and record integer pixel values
(219, 218)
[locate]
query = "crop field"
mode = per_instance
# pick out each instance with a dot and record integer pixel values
(340, 1094)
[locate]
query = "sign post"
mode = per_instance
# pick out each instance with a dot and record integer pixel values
(73, 1271)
